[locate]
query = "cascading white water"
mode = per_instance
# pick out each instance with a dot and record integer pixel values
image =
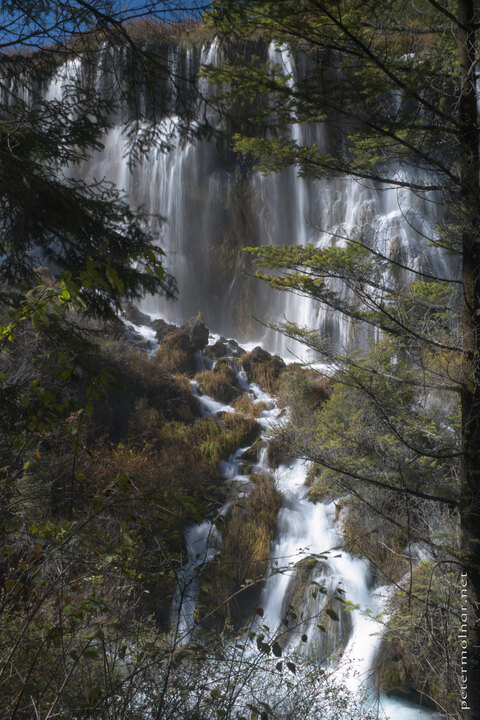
(212, 210)
(305, 532)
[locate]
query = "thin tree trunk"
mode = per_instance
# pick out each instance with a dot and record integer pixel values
(469, 690)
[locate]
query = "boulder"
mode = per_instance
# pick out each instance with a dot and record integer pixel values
(197, 331)
(174, 398)
(258, 354)
(162, 328)
(136, 316)
(251, 454)
(220, 383)
(224, 348)
(176, 353)
(313, 608)
(246, 430)
(263, 368)
(179, 345)
(279, 451)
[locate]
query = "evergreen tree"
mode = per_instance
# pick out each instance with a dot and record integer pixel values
(71, 252)
(398, 83)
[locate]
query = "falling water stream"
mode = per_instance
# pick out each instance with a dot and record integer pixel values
(304, 531)
(212, 209)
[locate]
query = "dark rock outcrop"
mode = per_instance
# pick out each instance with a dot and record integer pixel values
(136, 316)
(162, 328)
(197, 331)
(313, 608)
(263, 368)
(179, 345)
(224, 348)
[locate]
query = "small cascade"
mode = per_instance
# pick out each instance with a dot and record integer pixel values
(317, 602)
(304, 577)
(203, 542)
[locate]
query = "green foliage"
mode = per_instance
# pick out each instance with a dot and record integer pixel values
(425, 313)
(423, 655)
(99, 248)
(373, 429)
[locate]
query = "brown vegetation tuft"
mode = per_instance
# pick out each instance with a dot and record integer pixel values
(245, 552)
(219, 383)
(246, 406)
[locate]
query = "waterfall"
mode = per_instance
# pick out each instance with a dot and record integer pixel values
(212, 208)
(205, 208)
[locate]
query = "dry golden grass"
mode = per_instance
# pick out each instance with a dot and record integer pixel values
(245, 406)
(245, 549)
(219, 383)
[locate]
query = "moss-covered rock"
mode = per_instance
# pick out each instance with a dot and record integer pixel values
(178, 346)
(197, 331)
(263, 368)
(246, 406)
(177, 353)
(220, 383)
(233, 580)
(245, 429)
(279, 451)
(314, 614)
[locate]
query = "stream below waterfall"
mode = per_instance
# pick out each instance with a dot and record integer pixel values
(307, 535)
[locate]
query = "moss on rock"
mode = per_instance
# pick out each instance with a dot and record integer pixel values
(263, 368)
(232, 580)
(220, 383)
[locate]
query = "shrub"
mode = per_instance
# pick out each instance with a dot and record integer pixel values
(420, 654)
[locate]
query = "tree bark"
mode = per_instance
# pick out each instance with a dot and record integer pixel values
(469, 694)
